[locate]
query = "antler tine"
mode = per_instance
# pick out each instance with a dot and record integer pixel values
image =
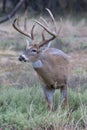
(52, 17)
(60, 26)
(25, 19)
(32, 30)
(50, 14)
(46, 28)
(18, 21)
(44, 21)
(43, 37)
(25, 23)
(22, 32)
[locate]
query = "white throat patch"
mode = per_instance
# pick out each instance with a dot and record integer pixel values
(37, 64)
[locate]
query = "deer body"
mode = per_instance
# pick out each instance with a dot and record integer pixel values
(51, 64)
(53, 68)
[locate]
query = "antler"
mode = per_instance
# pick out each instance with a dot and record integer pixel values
(44, 26)
(30, 35)
(53, 34)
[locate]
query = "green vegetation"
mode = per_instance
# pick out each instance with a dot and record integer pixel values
(26, 108)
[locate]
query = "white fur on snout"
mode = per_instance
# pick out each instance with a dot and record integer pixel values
(25, 57)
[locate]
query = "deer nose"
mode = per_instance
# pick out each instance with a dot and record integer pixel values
(21, 58)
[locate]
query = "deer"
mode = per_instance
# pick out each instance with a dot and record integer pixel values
(50, 64)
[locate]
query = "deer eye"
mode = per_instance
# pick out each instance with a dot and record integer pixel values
(34, 50)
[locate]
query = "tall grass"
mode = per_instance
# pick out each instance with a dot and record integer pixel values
(25, 108)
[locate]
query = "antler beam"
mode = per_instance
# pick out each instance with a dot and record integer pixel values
(30, 35)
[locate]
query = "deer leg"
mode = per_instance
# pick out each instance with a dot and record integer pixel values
(48, 93)
(64, 97)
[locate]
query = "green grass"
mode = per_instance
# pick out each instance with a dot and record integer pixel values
(26, 108)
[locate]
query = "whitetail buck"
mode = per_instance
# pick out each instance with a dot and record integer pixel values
(51, 64)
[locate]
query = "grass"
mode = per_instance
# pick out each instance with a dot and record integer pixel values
(25, 109)
(12, 44)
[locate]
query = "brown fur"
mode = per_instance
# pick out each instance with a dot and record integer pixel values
(53, 72)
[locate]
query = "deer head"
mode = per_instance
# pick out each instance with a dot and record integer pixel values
(33, 50)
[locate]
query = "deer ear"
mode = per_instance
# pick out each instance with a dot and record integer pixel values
(46, 46)
(28, 43)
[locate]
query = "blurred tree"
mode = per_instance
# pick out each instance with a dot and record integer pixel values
(56, 6)
(12, 13)
(4, 6)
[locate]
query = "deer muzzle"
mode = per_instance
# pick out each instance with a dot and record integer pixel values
(21, 58)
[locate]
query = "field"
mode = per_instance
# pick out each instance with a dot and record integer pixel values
(22, 106)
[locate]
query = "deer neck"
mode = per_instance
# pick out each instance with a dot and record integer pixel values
(37, 64)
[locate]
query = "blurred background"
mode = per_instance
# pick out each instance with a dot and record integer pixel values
(56, 6)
